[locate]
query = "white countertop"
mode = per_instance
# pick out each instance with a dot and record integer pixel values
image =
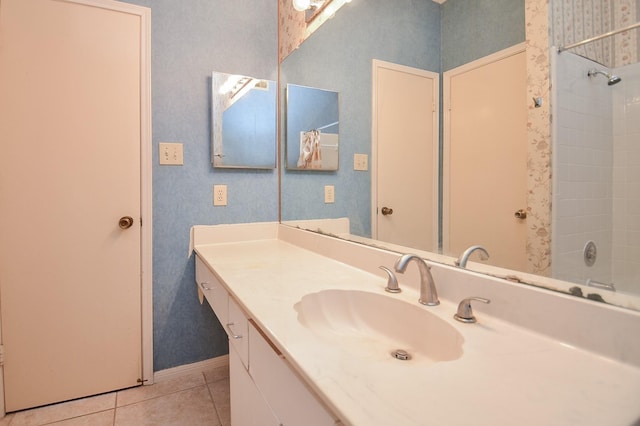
(506, 375)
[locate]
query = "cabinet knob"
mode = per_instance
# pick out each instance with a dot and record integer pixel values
(386, 211)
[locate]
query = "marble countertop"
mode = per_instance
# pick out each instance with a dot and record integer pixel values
(506, 375)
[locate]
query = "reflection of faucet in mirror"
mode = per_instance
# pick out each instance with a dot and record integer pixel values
(464, 257)
(428, 293)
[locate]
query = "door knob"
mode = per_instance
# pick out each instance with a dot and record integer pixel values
(520, 214)
(125, 222)
(386, 211)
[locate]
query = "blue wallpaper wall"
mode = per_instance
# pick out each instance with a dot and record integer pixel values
(190, 39)
(416, 33)
(338, 57)
(474, 29)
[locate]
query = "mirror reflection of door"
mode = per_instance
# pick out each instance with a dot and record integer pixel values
(405, 155)
(485, 155)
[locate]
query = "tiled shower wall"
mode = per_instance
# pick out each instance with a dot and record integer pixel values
(583, 165)
(596, 173)
(626, 180)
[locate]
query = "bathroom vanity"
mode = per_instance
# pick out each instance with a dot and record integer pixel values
(315, 339)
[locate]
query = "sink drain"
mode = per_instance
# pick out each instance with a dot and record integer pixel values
(401, 354)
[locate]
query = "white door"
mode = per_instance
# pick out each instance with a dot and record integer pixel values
(405, 156)
(70, 131)
(485, 158)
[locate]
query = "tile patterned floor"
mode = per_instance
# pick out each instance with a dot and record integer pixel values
(194, 399)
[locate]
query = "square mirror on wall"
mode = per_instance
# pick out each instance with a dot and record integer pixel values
(312, 129)
(244, 131)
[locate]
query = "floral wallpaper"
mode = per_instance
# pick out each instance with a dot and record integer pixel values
(539, 138)
(292, 28)
(577, 20)
(292, 33)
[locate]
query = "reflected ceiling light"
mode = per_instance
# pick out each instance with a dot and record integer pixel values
(302, 5)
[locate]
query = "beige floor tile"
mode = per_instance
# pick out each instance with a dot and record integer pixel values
(216, 374)
(222, 400)
(6, 420)
(142, 393)
(64, 410)
(103, 418)
(191, 407)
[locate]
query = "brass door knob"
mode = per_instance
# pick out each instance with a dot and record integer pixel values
(386, 211)
(520, 214)
(125, 222)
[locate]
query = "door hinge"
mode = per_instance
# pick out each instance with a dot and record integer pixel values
(1, 355)
(142, 381)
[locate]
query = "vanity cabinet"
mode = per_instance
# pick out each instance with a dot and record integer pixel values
(264, 388)
(248, 406)
(237, 330)
(286, 393)
(214, 292)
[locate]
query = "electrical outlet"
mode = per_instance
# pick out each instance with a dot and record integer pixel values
(170, 154)
(360, 162)
(219, 195)
(329, 194)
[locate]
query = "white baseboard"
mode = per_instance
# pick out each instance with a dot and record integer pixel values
(196, 367)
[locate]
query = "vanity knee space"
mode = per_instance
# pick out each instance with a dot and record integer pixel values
(264, 388)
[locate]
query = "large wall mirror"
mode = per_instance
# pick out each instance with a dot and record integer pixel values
(463, 43)
(243, 121)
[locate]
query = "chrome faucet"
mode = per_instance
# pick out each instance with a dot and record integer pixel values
(465, 313)
(464, 257)
(428, 293)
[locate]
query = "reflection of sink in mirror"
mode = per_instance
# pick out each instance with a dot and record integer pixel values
(373, 326)
(443, 38)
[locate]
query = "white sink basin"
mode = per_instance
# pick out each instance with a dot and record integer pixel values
(376, 326)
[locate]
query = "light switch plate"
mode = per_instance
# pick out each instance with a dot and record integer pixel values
(360, 162)
(329, 194)
(170, 154)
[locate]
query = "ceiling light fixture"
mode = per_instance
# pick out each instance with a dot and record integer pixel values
(302, 5)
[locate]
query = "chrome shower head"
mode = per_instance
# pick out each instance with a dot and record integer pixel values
(614, 79)
(611, 79)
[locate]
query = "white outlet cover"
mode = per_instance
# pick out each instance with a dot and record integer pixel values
(219, 195)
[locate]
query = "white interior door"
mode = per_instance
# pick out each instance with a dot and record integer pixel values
(405, 155)
(485, 158)
(70, 126)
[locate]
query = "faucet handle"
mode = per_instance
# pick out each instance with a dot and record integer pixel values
(392, 281)
(465, 313)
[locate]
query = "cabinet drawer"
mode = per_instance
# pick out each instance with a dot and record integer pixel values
(213, 291)
(248, 406)
(237, 330)
(291, 400)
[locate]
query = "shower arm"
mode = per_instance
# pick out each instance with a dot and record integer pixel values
(601, 36)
